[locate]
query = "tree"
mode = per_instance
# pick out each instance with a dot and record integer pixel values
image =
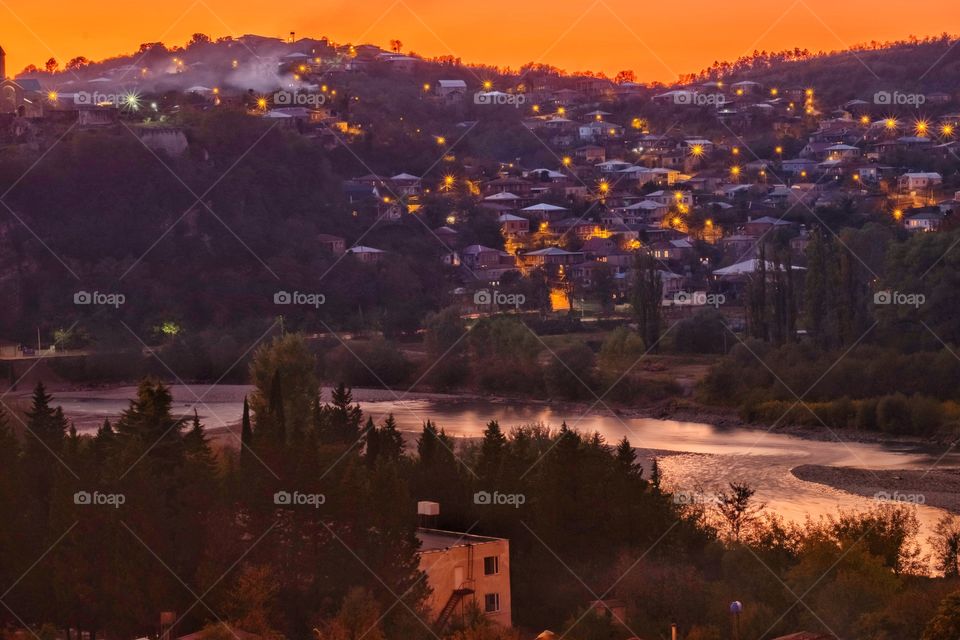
(246, 434)
(736, 508)
(285, 384)
(647, 299)
(604, 288)
(51, 65)
(76, 63)
(396, 46)
(946, 546)
(946, 624)
(492, 452)
(570, 373)
(443, 338)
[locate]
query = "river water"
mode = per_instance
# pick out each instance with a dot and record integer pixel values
(705, 459)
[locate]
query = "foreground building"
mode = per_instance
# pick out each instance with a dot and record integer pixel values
(463, 570)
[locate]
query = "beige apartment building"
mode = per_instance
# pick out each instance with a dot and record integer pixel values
(463, 569)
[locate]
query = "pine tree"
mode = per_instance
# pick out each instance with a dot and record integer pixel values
(275, 411)
(246, 436)
(391, 440)
(647, 299)
(655, 474)
(372, 438)
(626, 458)
(345, 418)
(492, 452)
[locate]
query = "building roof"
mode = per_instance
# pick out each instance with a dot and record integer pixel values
(552, 251)
(543, 206)
(438, 540)
(745, 268)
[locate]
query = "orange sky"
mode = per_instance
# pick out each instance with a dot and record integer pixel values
(658, 40)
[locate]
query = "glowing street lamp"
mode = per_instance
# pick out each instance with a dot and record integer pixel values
(567, 161)
(921, 127)
(262, 103)
(779, 151)
(898, 214)
(696, 151)
(890, 123)
(865, 120)
(604, 187)
(947, 130)
(487, 85)
(441, 140)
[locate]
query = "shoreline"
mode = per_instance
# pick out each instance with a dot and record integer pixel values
(934, 488)
(680, 409)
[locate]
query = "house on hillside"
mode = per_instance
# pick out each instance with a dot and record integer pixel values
(368, 255)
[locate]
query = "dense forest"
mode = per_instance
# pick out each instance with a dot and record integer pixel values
(165, 523)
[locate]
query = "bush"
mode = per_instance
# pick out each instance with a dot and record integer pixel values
(703, 333)
(373, 364)
(893, 413)
(570, 373)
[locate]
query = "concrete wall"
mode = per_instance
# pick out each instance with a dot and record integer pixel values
(446, 567)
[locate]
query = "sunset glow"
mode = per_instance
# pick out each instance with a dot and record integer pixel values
(571, 36)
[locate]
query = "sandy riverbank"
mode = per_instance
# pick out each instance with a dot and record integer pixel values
(934, 488)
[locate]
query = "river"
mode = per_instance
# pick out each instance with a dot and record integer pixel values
(705, 457)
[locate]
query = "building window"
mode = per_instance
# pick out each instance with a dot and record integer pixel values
(491, 602)
(491, 565)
